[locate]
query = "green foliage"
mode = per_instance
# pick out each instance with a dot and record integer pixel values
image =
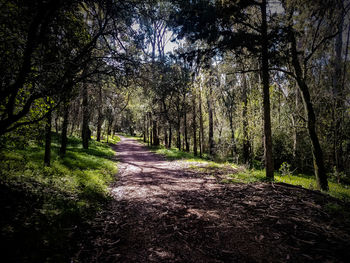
(47, 205)
(285, 169)
(282, 148)
(112, 139)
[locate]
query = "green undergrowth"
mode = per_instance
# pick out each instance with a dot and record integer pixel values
(42, 207)
(171, 153)
(249, 176)
(111, 139)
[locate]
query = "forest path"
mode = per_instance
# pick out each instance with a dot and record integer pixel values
(163, 212)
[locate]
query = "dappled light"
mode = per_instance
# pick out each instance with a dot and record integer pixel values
(174, 131)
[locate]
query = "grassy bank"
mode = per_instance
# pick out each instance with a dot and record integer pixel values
(43, 207)
(247, 176)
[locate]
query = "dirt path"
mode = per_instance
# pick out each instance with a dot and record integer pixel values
(163, 212)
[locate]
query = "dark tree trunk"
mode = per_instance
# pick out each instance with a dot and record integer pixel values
(170, 136)
(166, 141)
(109, 125)
(56, 121)
(211, 124)
(320, 171)
(246, 144)
(178, 137)
(147, 129)
(266, 95)
(186, 145)
(295, 130)
(178, 124)
(194, 123)
(74, 116)
(144, 129)
(155, 134)
(100, 116)
(233, 141)
(85, 132)
(201, 128)
(338, 96)
(47, 156)
(150, 129)
(63, 147)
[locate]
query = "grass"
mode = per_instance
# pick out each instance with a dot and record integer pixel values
(249, 176)
(171, 153)
(43, 207)
(111, 139)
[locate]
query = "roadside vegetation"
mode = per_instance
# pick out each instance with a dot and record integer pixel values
(44, 209)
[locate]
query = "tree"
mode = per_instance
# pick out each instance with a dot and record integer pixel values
(230, 26)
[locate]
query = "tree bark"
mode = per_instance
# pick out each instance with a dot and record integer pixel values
(320, 171)
(194, 123)
(338, 95)
(201, 128)
(211, 123)
(295, 130)
(155, 134)
(63, 147)
(186, 144)
(100, 116)
(266, 95)
(170, 136)
(166, 141)
(48, 126)
(85, 132)
(178, 137)
(246, 144)
(144, 129)
(150, 129)
(147, 129)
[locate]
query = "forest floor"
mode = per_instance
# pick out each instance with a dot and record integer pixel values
(165, 211)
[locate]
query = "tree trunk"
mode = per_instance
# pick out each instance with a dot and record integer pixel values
(99, 117)
(201, 128)
(178, 137)
(56, 121)
(86, 118)
(186, 144)
(150, 128)
(144, 129)
(338, 95)
(166, 141)
(109, 123)
(246, 144)
(194, 123)
(266, 95)
(211, 123)
(155, 134)
(47, 156)
(170, 136)
(295, 130)
(178, 124)
(147, 129)
(320, 171)
(63, 147)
